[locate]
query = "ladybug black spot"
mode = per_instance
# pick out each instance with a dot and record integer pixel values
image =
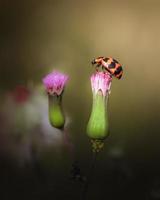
(112, 65)
(120, 76)
(118, 70)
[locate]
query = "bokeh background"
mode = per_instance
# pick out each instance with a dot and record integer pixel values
(38, 36)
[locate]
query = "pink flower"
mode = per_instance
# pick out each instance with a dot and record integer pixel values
(55, 82)
(101, 81)
(20, 94)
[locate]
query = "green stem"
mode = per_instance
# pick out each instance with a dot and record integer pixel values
(56, 116)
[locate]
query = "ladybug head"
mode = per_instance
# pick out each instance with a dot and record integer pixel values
(93, 61)
(97, 60)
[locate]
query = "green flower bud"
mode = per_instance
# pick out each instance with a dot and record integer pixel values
(56, 116)
(98, 126)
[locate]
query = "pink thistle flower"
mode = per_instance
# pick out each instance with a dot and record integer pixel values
(55, 82)
(101, 81)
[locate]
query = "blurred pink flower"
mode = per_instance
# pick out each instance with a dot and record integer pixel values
(55, 82)
(20, 94)
(25, 126)
(101, 81)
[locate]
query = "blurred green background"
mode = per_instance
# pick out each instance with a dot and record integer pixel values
(37, 36)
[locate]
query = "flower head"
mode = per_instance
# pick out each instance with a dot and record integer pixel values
(101, 81)
(55, 82)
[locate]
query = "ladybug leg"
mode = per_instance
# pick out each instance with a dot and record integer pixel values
(97, 67)
(103, 69)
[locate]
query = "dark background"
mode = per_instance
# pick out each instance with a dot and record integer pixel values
(39, 36)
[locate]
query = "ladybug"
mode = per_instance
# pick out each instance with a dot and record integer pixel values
(110, 64)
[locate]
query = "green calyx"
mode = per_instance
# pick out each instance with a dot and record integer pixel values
(97, 127)
(56, 115)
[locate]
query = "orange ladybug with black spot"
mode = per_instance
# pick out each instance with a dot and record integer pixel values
(110, 65)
